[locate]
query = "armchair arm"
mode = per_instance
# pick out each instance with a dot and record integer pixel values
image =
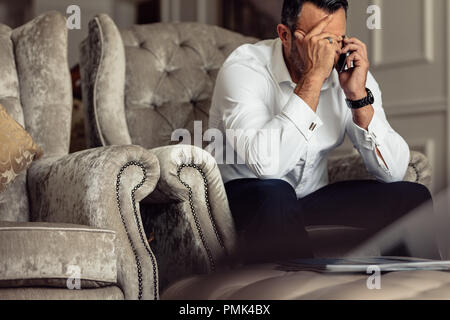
(352, 168)
(100, 188)
(189, 214)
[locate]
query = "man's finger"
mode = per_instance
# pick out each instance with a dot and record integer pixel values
(354, 40)
(353, 47)
(356, 59)
(357, 42)
(318, 29)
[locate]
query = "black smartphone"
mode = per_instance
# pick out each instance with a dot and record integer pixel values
(341, 66)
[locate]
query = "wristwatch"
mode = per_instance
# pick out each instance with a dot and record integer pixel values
(363, 102)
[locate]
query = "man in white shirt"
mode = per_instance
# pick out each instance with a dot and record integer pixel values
(283, 106)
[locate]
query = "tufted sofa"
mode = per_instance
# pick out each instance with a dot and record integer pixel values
(142, 83)
(71, 216)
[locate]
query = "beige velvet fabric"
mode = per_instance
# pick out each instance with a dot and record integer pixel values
(180, 248)
(352, 168)
(35, 90)
(103, 70)
(17, 149)
(160, 87)
(169, 86)
(275, 282)
(81, 189)
(40, 50)
(40, 254)
(13, 201)
(193, 51)
(107, 293)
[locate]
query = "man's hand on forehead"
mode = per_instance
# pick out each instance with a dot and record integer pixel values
(318, 30)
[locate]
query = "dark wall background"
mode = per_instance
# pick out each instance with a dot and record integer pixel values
(254, 18)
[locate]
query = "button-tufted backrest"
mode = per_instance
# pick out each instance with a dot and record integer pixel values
(35, 90)
(171, 71)
(169, 77)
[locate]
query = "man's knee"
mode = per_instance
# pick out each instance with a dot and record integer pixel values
(413, 194)
(260, 202)
(276, 190)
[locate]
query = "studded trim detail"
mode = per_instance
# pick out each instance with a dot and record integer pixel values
(141, 234)
(194, 213)
(417, 172)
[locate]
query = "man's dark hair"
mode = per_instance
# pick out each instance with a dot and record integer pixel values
(292, 9)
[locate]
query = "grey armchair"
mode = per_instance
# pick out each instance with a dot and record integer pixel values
(142, 83)
(71, 216)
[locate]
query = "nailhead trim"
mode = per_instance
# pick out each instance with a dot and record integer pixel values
(194, 214)
(417, 172)
(133, 200)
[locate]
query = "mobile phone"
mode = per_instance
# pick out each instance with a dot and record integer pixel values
(341, 66)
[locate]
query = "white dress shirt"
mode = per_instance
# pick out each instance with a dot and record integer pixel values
(254, 99)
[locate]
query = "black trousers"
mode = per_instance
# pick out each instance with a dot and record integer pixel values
(271, 220)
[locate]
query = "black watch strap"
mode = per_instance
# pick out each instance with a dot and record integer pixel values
(363, 102)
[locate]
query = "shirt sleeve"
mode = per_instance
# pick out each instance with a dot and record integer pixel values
(271, 144)
(381, 136)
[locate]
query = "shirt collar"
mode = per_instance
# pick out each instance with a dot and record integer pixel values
(280, 71)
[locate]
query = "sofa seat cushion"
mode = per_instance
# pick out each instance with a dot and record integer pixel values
(106, 293)
(270, 282)
(53, 255)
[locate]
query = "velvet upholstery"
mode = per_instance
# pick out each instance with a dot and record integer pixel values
(99, 188)
(40, 254)
(91, 200)
(163, 89)
(104, 71)
(161, 76)
(161, 79)
(276, 282)
(106, 293)
(40, 50)
(353, 168)
(180, 249)
(14, 204)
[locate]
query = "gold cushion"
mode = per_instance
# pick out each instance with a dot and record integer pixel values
(17, 149)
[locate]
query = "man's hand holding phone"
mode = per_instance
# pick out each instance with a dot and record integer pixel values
(353, 81)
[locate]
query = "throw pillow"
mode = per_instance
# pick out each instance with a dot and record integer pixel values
(17, 149)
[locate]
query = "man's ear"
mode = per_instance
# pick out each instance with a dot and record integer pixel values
(285, 34)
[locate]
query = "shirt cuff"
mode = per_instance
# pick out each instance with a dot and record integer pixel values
(369, 139)
(302, 116)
